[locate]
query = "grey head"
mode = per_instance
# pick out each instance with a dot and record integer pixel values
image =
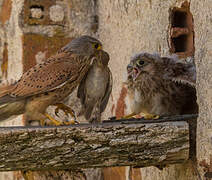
(83, 45)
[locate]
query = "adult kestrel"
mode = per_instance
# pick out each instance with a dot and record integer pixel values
(95, 89)
(161, 86)
(48, 83)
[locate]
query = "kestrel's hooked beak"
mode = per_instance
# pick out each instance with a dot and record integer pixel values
(133, 72)
(136, 73)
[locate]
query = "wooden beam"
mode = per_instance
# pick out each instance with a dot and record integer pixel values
(112, 143)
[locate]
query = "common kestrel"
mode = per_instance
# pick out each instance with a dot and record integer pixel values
(95, 89)
(161, 86)
(48, 83)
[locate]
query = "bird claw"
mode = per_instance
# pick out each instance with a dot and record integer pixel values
(58, 123)
(151, 116)
(67, 110)
(129, 116)
(54, 121)
(145, 116)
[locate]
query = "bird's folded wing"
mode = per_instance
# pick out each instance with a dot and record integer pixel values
(107, 92)
(47, 76)
(81, 90)
(181, 72)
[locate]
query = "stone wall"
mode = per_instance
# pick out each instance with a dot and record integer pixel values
(125, 27)
(203, 40)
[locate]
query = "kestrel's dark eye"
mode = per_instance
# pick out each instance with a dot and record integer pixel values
(97, 46)
(140, 62)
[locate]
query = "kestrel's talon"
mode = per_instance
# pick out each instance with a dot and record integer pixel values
(145, 116)
(58, 123)
(151, 116)
(129, 116)
(54, 121)
(66, 109)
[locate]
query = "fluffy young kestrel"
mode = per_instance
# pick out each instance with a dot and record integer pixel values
(95, 89)
(50, 82)
(161, 86)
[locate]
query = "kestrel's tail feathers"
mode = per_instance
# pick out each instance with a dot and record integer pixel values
(8, 99)
(12, 109)
(5, 89)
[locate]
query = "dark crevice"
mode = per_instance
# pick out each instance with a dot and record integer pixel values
(181, 31)
(37, 7)
(180, 43)
(179, 19)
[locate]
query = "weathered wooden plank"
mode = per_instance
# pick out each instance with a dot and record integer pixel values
(94, 145)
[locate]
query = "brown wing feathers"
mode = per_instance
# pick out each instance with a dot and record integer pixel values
(44, 77)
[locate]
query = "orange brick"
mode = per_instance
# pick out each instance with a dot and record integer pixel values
(35, 43)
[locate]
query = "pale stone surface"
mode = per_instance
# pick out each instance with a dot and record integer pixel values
(203, 46)
(36, 13)
(14, 40)
(80, 17)
(56, 13)
(40, 56)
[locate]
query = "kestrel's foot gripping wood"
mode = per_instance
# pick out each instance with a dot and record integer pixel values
(150, 116)
(58, 123)
(54, 121)
(145, 116)
(128, 116)
(67, 110)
